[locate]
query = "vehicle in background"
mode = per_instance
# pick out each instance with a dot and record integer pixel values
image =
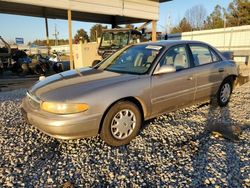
(19, 62)
(115, 39)
(136, 83)
(12, 59)
(5, 55)
(46, 64)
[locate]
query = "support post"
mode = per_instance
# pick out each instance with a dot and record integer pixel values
(47, 34)
(70, 40)
(154, 30)
(113, 22)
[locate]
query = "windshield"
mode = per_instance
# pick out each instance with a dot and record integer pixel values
(114, 40)
(133, 59)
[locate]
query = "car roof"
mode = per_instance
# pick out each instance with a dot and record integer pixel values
(168, 43)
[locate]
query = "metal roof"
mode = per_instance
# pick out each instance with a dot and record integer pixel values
(162, 1)
(134, 11)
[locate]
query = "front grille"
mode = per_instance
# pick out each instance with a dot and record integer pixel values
(33, 101)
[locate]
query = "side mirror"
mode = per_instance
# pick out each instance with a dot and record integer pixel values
(165, 69)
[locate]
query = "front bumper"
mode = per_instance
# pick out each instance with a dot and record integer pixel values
(70, 126)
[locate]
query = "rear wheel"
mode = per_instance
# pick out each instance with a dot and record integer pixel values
(224, 92)
(121, 124)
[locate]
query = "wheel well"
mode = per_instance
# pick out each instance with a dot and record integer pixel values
(130, 99)
(234, 77)
(231, 77)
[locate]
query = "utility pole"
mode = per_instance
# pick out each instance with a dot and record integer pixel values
(47, 34)
(56, 36)
(224, 25)
(70, 39)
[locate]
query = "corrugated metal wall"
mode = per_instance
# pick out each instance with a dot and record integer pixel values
(232, 38)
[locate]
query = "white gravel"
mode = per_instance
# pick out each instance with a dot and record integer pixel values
(174, 150)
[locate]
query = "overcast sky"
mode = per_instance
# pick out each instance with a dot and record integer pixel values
(31, 28)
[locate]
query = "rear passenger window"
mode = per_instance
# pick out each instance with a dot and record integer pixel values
(201, 55)
(177, 57)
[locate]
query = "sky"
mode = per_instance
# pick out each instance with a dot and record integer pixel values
(31, 28)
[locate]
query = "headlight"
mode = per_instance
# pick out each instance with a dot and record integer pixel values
(63, 108)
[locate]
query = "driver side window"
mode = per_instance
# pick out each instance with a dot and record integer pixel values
(177, 57)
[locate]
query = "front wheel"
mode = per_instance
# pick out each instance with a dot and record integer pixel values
(224, 92)
(121, 124)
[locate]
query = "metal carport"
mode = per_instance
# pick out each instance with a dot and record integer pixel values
(112, 12)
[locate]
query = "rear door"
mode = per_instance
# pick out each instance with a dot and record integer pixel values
(172, 90)
(208, 70)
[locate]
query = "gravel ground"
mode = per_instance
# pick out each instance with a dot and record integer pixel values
(194, 147)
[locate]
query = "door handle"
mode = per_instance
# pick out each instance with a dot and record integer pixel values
(190, 78)
(221, 70)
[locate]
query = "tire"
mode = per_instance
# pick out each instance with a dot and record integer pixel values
(1, 67)
(224, 93)
(129, 116)
(47, 66)
(58, 67)
(16, 68)
(25, 68)
(38, 70)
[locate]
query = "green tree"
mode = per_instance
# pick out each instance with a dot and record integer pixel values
(81, 34)
(215, 19)
(238, 13)
(39, 42)
(184, 26)
(96, 31)
(63, 41)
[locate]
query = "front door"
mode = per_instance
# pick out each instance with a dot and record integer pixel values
(172, 90)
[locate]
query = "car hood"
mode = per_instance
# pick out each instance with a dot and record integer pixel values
(74, 83)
